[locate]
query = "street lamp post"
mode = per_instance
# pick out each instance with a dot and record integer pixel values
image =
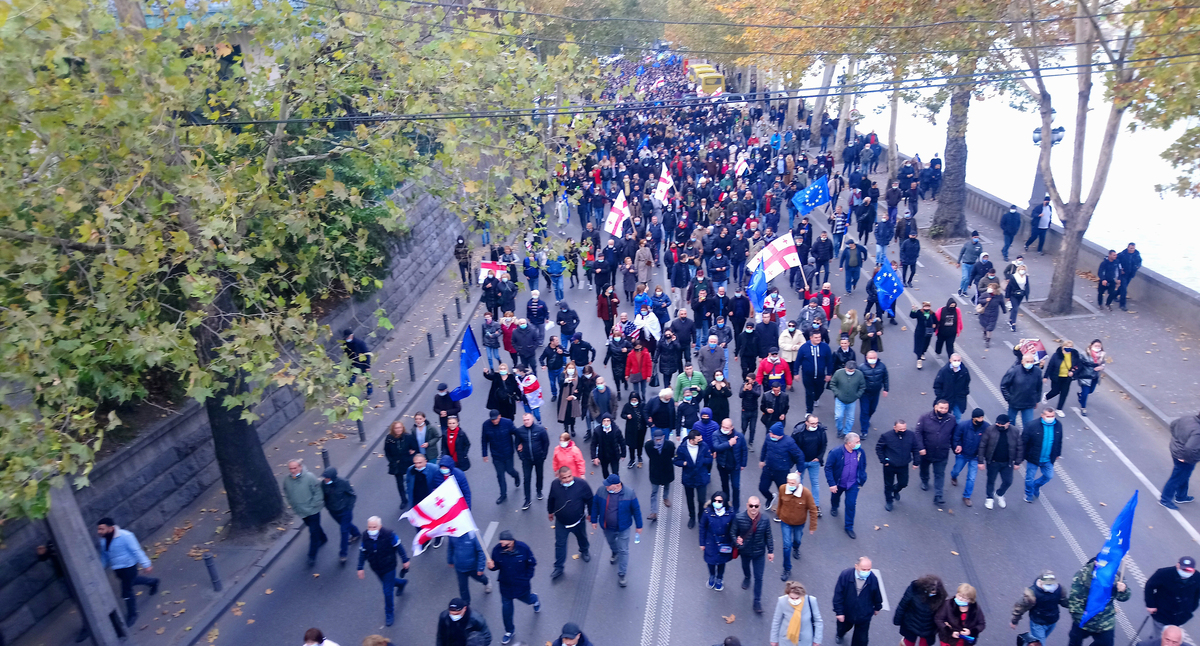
(1039, 183)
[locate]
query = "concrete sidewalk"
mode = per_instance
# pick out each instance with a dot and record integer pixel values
(1153, 363)
(186, 604)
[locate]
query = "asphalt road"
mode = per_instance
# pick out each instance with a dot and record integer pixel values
(998, 551)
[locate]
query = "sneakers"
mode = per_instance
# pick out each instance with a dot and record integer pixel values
(712, 580)
(1012, 327)
(621, 581)
(537, 605)
(526, 506)
(612, 559)
(987, 504)
(1083, 411)
(1168, 505)
(1060, 413)
(506, 639)
(1178, 501)
(1030, 500)
(487, 588)
(920, 363)
(437, 542)
(539, 495)
(1000, 501)
(719, 585)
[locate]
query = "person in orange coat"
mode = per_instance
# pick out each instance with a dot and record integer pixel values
(639, 368)
(567, 454)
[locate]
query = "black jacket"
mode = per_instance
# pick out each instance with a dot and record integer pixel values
(582, 353)
(380, 552)
(1173, 597)
(670, 361)
(339, 494)
(813, 444)
(952, 386)
(934, 434)
(445, 403)
(1022, 388)
(533, 443)
(1033, 436)
(454, 633)
(897, 450)
(914, 615)
(1056, 359)
(608, 445)
(877, 376)
(569, 505)
(662, 462)
(756, 539)
(854, 604)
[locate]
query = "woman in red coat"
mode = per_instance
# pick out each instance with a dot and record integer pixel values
(606, 308)
(508, 323)
(639, 368)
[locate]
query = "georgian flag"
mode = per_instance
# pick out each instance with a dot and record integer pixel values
(494, 267)
(660, 82)
(442, 513)
(617, 215)
(776, 257)
(741, 168)
(664, 184)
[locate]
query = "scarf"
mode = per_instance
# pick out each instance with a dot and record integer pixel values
(793, 629)
(451, 441)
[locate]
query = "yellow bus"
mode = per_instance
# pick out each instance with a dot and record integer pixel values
(711, 83)
(698, 70)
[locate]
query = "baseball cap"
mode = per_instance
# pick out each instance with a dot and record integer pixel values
(457, 603)
(493, 414)
(1188, 563)
(571, 631)
(1048, 577)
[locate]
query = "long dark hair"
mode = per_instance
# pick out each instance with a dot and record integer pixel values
(931, 583)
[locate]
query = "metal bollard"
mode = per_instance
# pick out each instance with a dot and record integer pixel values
(412, 369)
(362, 434)
(392, 396)
(325, 457)
(212, 572)
(429, 339)
(458, 307)
(446, 324)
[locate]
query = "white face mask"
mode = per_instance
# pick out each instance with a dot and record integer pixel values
(373, 533)
(956, 364)
(795, 602)
(454, 617)
(564, 444)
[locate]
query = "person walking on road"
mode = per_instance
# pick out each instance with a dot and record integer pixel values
(846, 473)
(567, 454)
(924, 327)
(615, 509)
(660, 453)
(1016, 290)
(303, 493)
(572, 636)
(797, 507)
(497, 435)
(1043, 445)
(847, 386)
(856, 599)
(876, 374)
(514, 564)
(730, 455)
(915, 612)
(458, 626)
(949, 326)
(960, 620)
(504, 392)
(990, 305)
(121, 552)
(968, 435)
(1010, 226)
(1093, 357)
(1040, 217)
(898, 451)
(533, 445)
(428, 437)
(1021, 388)
(968, 255)
(1000, 451)
(716, 539)
(379, 548)
(456, 445)
(935, 431)
(1042, 601)
(797, 620)
(695, 458)
(466, 556)
(755, 543)
(776, 458)
(1185, 453)
(816, 369)
(1172, 596)
(1100, 627)
(1062, 368)
(568, 507)
(339, 502)
(811, 438)
(608, 446)
(953, 384)
(399, 447)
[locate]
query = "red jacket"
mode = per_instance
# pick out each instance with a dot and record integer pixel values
(506, 331)
(826, 301)
(767, 367)
(639, 363)
(606, 309)
(958, 321)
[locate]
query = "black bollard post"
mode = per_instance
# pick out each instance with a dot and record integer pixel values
(446, 324)
(362, 434)
(412, 369)
(392, 395)
(458, 307)
(429, 339)
(212, 572)
(325, 457)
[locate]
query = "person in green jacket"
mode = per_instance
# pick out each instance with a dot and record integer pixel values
(1099, 627)
(847, 385)
(689, 378)
(304, 494)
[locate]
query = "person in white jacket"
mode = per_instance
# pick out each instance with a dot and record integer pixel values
(790, 341)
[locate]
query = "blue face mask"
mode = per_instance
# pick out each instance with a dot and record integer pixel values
(721, 324)
(1047, 422)
(523, 326)
(445, 471)
(712, 344)
(961, 603)
(775, 438)
(862, 575)
(856, 447)
(567, 484)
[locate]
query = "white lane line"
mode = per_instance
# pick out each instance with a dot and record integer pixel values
(1187, 527)
(652, 596)
(487, 535)
(672, 568)
(882, 590)
(920, 265)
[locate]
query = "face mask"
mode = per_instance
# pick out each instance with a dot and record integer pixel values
(718, 505)
(523, 326)
(956, 364)
(961, 603)
(564, 444)
(721, 325)
(727, 431)
(791, 328)
(454, 617)
(1184, 573)
(1048, 422)
(445, 471)
(872, 361)
(570, 371)
(862, 575)
(600, 387)
(856, 447)
(607, 426)
(688, 398)
(775, 438)
(974, 239)
(373, 533)
(795, 602)
(711, 344)
(791, 488)
(1053, 587)
(1028, 366)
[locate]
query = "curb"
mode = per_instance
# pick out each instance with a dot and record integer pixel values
(1136, 394)
(221, 605)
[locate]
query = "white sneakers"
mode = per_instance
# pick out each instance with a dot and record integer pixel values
(1000, 499)
(987, 504)
(1060, 413)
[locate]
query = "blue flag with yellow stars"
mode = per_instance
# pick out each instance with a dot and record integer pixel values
(1108, 562)
(810, 198)
(889, 287)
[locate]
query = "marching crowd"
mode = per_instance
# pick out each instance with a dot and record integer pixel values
(657, 392)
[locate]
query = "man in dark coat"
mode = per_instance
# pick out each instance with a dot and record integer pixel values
(525, 342)
(533, 445)
(660, 454)
(360, 358)
(465, 629)
(853, 604)
(1172, 596)
(935, 432)
(496, 436)
(816, 368)
(339, 500)
(1043, 445)
(1010, 224)
(444, 405)
(953, 384)
(380, 546)
(568, 506)
(1021, 387)
(515, 564)
(846, 473)
(897, 451)
(572, 636)
(1130, 261)
(608, 445)
(755, 545)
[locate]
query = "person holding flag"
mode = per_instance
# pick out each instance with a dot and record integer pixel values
(1096, 586)
(664, 185)
(617, 215)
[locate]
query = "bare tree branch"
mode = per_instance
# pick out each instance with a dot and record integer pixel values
(61, 242)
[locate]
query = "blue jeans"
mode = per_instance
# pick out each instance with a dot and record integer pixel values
(347, 528)
(493, 354)
(843, 416)
(1008, 240)
(852, 274)
(837, 243)
(851, 502)
(506, 608)
(536, 412)
(1084, 391)
(464, 591)
(618, 542)
(718, 284)
(1026, 416)
(868, 403)
(967, 267)
(956, 412)
(533, 283)
(961, 462)
(1041, 631)
(1177, 485)
(880, 252)
(791, 538)
(1033, 488)
(814, 469)
(553, 377)
(558, 287)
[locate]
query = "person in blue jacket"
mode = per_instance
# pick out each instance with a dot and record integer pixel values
(447, 470)
(555, 269)
(497, 436)
(515, 563)
(731, 454)
(967, 436)
(122, 553)
(816, 368)
(615, 509)
(846, 473)
(779, 454)
(707, 425)
(856, 599)
(469, 561)
(716, 539)
(696, 459)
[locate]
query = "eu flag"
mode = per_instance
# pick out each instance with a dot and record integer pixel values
(468, 355)
(889, 287)
(758, 287)
(1108, 562)
(810, 198)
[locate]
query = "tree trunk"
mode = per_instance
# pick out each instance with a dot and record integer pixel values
(893, 147)
(250, 486)
(789, 119)
(1062, 284)
(950, 219)
(818, 112)
(75, 538)
(839, 137)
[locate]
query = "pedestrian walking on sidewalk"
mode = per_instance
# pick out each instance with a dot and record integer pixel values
(1043, 445)
(856, 599)
(515, 564)
(360, 358)
(846, 473)
(466, 556)
(1039, 224)
(568, 506)
(339, 502)
(1131, 261)
(1000, 452)
(379, 548)
(121, 552)
(755, 545)
(1010, 226)
(303, 493)
(1042, 601)
(1109, 278)
(915, 612)
(1185, 452)
(968, 435)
